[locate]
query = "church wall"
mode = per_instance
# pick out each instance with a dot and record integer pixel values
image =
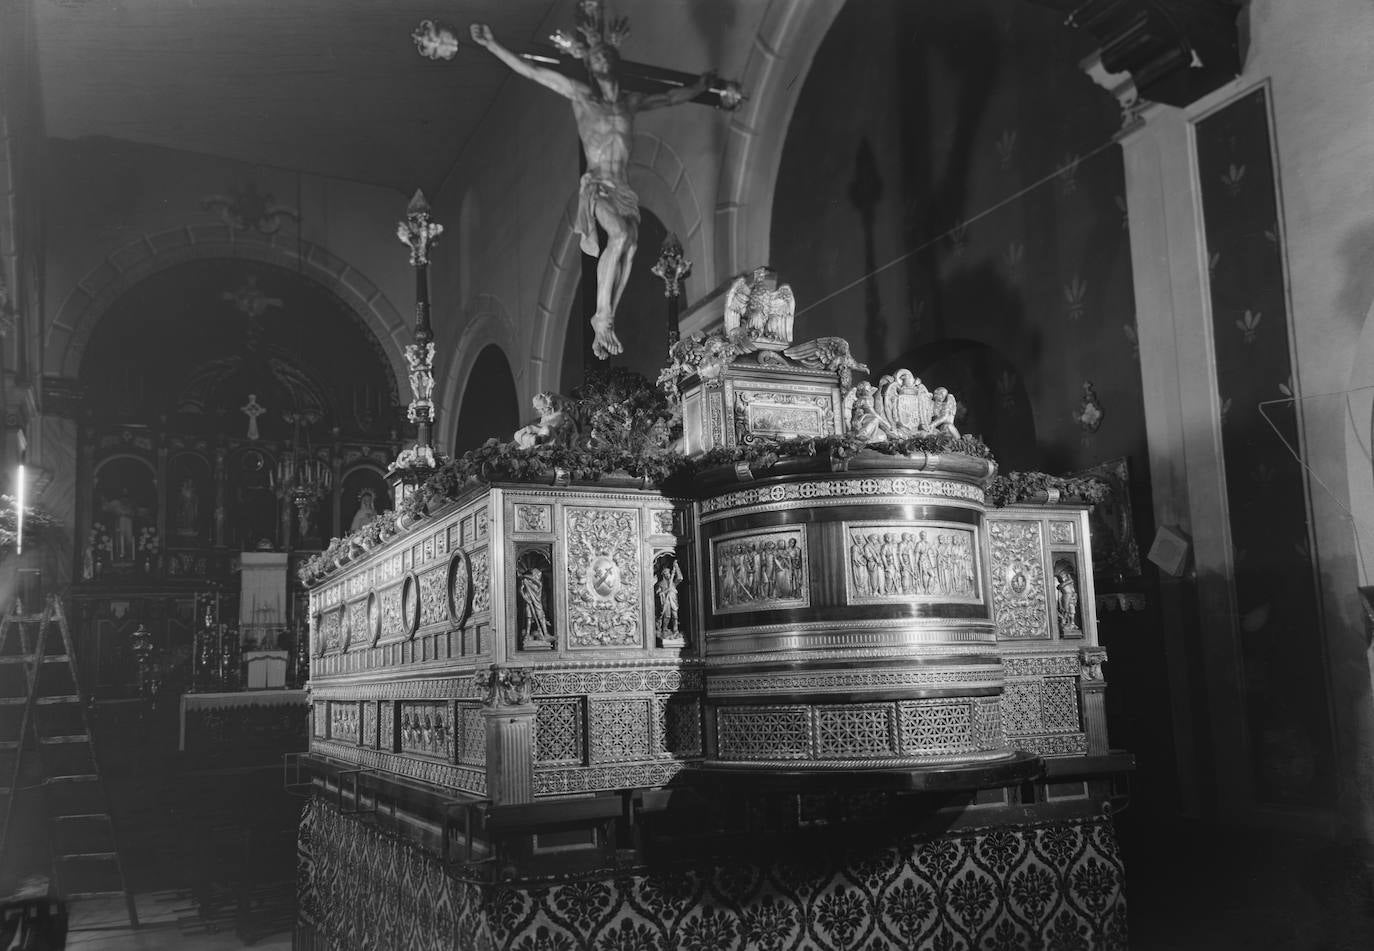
(935, 145)
(1316, 58)
(102, 197)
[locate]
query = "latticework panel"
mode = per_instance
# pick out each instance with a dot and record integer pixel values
(1021, 707)
(679, 726)
(936, 727)
(1059, 705)
(988, 732)
(559, 736)
(470, 734)
(619, 730)
(763, 733)
(855, 730)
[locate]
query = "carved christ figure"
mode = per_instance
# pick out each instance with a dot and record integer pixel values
(605, 123)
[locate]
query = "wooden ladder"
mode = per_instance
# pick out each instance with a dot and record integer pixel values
(53, 721)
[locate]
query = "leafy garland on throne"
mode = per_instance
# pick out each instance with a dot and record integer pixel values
(619, 427)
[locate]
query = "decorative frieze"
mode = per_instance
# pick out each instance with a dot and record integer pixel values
(841, 491)
(426, 729)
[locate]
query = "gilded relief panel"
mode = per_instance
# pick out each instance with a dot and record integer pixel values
(905, 561)
(434, 596)
(426, 729)
(603, 577)
(393, 626)
(760, 571)
(1020, 606)
(774, 415)
(481, 582)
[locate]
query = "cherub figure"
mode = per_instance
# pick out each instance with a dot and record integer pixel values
(553, 427)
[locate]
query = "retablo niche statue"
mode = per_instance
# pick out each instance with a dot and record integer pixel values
(605, 113)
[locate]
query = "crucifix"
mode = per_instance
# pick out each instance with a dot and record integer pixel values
(605, 99)
(252, 409)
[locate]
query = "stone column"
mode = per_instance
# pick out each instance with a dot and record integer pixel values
(510, 722)
(1092, 698)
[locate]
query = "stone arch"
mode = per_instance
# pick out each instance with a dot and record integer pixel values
(788, 37)
(664, 186)
(499, 411)
(86, 304)
(489, 324)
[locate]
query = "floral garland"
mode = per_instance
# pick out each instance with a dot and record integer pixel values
(624, 426)
(1016, 487)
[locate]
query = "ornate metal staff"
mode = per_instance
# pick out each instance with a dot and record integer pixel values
(672, 268)
(420, 234)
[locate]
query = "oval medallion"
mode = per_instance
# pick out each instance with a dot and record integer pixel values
(603, 576)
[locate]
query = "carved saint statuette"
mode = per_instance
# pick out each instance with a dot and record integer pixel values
(666, 608)
(1066, 597)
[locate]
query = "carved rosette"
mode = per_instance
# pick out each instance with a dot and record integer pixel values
(603, 586)
(1019, 601)
(506, 686)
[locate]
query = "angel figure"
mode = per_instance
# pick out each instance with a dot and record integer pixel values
(864, 420)
(763, 307)
(945, 407)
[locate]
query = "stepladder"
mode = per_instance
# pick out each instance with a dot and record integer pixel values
(49, 768)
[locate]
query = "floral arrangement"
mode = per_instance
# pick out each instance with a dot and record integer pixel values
(148, 541)
(36, 520)
(98, 540)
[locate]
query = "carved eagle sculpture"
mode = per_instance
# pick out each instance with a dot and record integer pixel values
(758, 304)
(828, 353)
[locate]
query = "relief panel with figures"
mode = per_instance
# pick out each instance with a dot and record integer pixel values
(760, 571)
(911, 561)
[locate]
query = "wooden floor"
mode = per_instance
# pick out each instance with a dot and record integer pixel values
(167, 920)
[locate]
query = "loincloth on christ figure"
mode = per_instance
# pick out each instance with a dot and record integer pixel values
(621, 199)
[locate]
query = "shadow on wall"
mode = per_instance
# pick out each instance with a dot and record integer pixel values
(490, 406)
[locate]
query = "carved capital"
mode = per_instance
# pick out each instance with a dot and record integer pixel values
(1092, 658)
(506, 686)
